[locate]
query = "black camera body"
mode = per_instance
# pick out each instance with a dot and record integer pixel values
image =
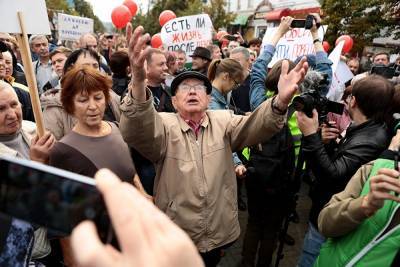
(304, 23)
(311, 98)
(388, 72)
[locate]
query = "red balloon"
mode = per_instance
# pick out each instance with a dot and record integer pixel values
(166, 16)
(156, 41)
(326, 46)
(120, 16)
(348, 43)
(132, 6)
(221, 34)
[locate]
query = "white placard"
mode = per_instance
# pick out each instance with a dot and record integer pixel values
(34, 13)
(187, 33)
(341, 73)
(296, 42)
(72, 27)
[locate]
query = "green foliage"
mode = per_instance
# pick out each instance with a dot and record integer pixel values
(363, 20)
(218, 15)
(84, 9)
(59, 5)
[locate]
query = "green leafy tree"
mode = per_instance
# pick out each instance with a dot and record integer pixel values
(219, 16)
(59, 5)
(363, 20)
(84, 9)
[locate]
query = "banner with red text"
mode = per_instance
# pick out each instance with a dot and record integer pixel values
(296, 42)
(187, 33)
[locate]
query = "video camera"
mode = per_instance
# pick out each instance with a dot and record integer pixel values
(304, 23)
(388, 72)
(310, 98)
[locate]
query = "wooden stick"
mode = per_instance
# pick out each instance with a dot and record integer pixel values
(30, 75)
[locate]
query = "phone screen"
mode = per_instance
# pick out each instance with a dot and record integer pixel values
(298, 23)
(50, 197)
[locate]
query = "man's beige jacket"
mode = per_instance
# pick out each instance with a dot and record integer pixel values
(195, 183)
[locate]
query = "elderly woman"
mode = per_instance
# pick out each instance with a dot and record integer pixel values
(93, 143)
(56, 119)
(20, 243)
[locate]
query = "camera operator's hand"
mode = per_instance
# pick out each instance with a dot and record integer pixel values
(40, 147)
(287, 84)
(395, 143)
(239, 38)
(381, 187)
(147, 237)
(283, 28)
(314, 32)
(329, 132)
(137, 52)
(307, 126)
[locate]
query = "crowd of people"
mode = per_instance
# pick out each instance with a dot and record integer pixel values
(182, 141)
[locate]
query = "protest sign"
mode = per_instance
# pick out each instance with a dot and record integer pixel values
(72, 27)
(35, 16)
(340, 74)
(187, 33)
(25, 17)
(296, 42)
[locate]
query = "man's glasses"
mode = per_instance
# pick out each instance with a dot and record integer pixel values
(187, 88)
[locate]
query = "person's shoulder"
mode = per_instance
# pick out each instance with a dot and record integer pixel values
(51, 98)
(29, 127)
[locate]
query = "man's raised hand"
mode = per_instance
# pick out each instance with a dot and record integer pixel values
(137, 52)
(287, 85)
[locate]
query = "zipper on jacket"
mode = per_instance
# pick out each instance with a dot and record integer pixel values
(377, 239)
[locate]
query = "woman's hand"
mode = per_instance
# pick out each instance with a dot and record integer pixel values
(40, 147)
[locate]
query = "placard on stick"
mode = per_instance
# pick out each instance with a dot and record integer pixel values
(25, 17)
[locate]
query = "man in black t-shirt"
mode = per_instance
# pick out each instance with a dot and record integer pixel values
(156, 72)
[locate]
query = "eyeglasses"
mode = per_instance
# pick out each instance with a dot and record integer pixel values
(197, 87)
(236, 84)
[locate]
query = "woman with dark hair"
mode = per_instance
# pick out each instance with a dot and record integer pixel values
(56, 119)
(227, 75)
(92, 143)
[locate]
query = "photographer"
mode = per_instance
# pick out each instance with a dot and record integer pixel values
(365, 212)
(270, 187)
(334, 164)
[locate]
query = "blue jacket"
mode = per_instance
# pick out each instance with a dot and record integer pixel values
(218, 101)
(260, 70)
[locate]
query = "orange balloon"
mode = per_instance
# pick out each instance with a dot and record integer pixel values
(156, 41)
(166, 16)
(120, 16)
(132, 6)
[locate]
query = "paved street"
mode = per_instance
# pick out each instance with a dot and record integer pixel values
(232, 257)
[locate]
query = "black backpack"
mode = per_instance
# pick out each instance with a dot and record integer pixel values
(274, 160)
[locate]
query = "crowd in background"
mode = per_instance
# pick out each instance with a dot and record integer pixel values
(192, 136)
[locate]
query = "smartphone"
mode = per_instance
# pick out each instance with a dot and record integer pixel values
(52, 198)
(298, 23)
(231, 38)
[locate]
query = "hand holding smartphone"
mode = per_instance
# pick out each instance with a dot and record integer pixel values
(50, 197)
